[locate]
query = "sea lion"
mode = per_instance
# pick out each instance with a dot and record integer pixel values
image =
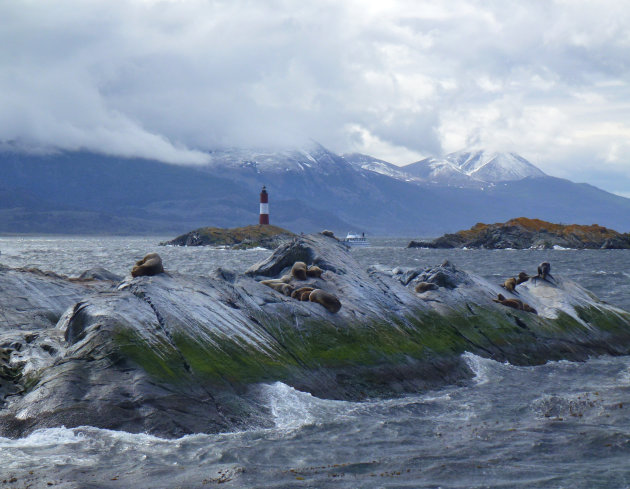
(271, 281)
(288, 290)
(509, 284)
(328, 233)
(522, 277)
(314, 271)
(150, 265)
(329, 301)
(275, 285)
(528, 308)
(286, 278)
(544, 271)
(515, 304)
(424, 286)
(299, 270)
(298, 292)
(281, 287)
(305, 296)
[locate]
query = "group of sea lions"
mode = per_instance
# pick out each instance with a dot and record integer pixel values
(511, 283)
(301, 272)
(151, 264)
(544, 271)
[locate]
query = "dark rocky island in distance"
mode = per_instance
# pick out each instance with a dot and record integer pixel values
(255, 236)
(525, 233)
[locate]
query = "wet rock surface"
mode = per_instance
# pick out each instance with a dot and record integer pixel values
(99, 273)
(172, 354)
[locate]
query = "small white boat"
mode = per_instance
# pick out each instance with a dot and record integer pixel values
(353, 239)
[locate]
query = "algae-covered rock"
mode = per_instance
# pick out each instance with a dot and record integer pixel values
(172, 354)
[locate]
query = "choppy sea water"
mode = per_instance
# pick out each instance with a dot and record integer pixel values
(560, 425)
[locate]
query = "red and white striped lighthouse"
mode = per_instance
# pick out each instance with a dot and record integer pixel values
(264, 207)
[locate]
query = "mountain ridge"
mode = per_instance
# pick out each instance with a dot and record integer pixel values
(310, 190)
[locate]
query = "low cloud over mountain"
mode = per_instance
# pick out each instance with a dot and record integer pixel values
(399, 80)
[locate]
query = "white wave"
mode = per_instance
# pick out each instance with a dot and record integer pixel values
(83, 435)
(48, 437)
(292, 409)
(485, 369)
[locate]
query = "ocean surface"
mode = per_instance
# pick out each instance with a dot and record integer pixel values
(559, 425)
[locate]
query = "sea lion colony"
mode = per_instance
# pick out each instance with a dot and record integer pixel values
(151, 264)
(300, 271)
(543, 272)
(510, 284)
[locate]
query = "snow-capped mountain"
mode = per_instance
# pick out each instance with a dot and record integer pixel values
(375, 165)
(440, 171)
(494, 167)
(309, 158)
(473, 168)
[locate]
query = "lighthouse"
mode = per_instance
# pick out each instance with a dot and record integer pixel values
(264, 206)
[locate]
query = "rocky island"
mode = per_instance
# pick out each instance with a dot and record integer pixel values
(255, 236)
(171, 354)
(524, 233)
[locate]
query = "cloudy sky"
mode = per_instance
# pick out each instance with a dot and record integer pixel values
(399, 80)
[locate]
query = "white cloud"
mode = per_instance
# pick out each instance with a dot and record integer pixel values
(398, 79)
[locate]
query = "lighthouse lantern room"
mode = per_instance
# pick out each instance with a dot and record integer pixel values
(264, 206)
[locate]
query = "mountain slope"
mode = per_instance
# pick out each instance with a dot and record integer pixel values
(365, 162)
(437, 171)
(85, 192)
(309, 189)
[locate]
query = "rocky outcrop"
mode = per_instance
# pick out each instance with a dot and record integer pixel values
(99, 273)
(258, 236)
(172, 354)
(523, 233)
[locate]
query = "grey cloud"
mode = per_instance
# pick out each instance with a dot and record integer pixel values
(169, 80)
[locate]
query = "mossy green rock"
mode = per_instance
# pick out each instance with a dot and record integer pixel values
(174, 354)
